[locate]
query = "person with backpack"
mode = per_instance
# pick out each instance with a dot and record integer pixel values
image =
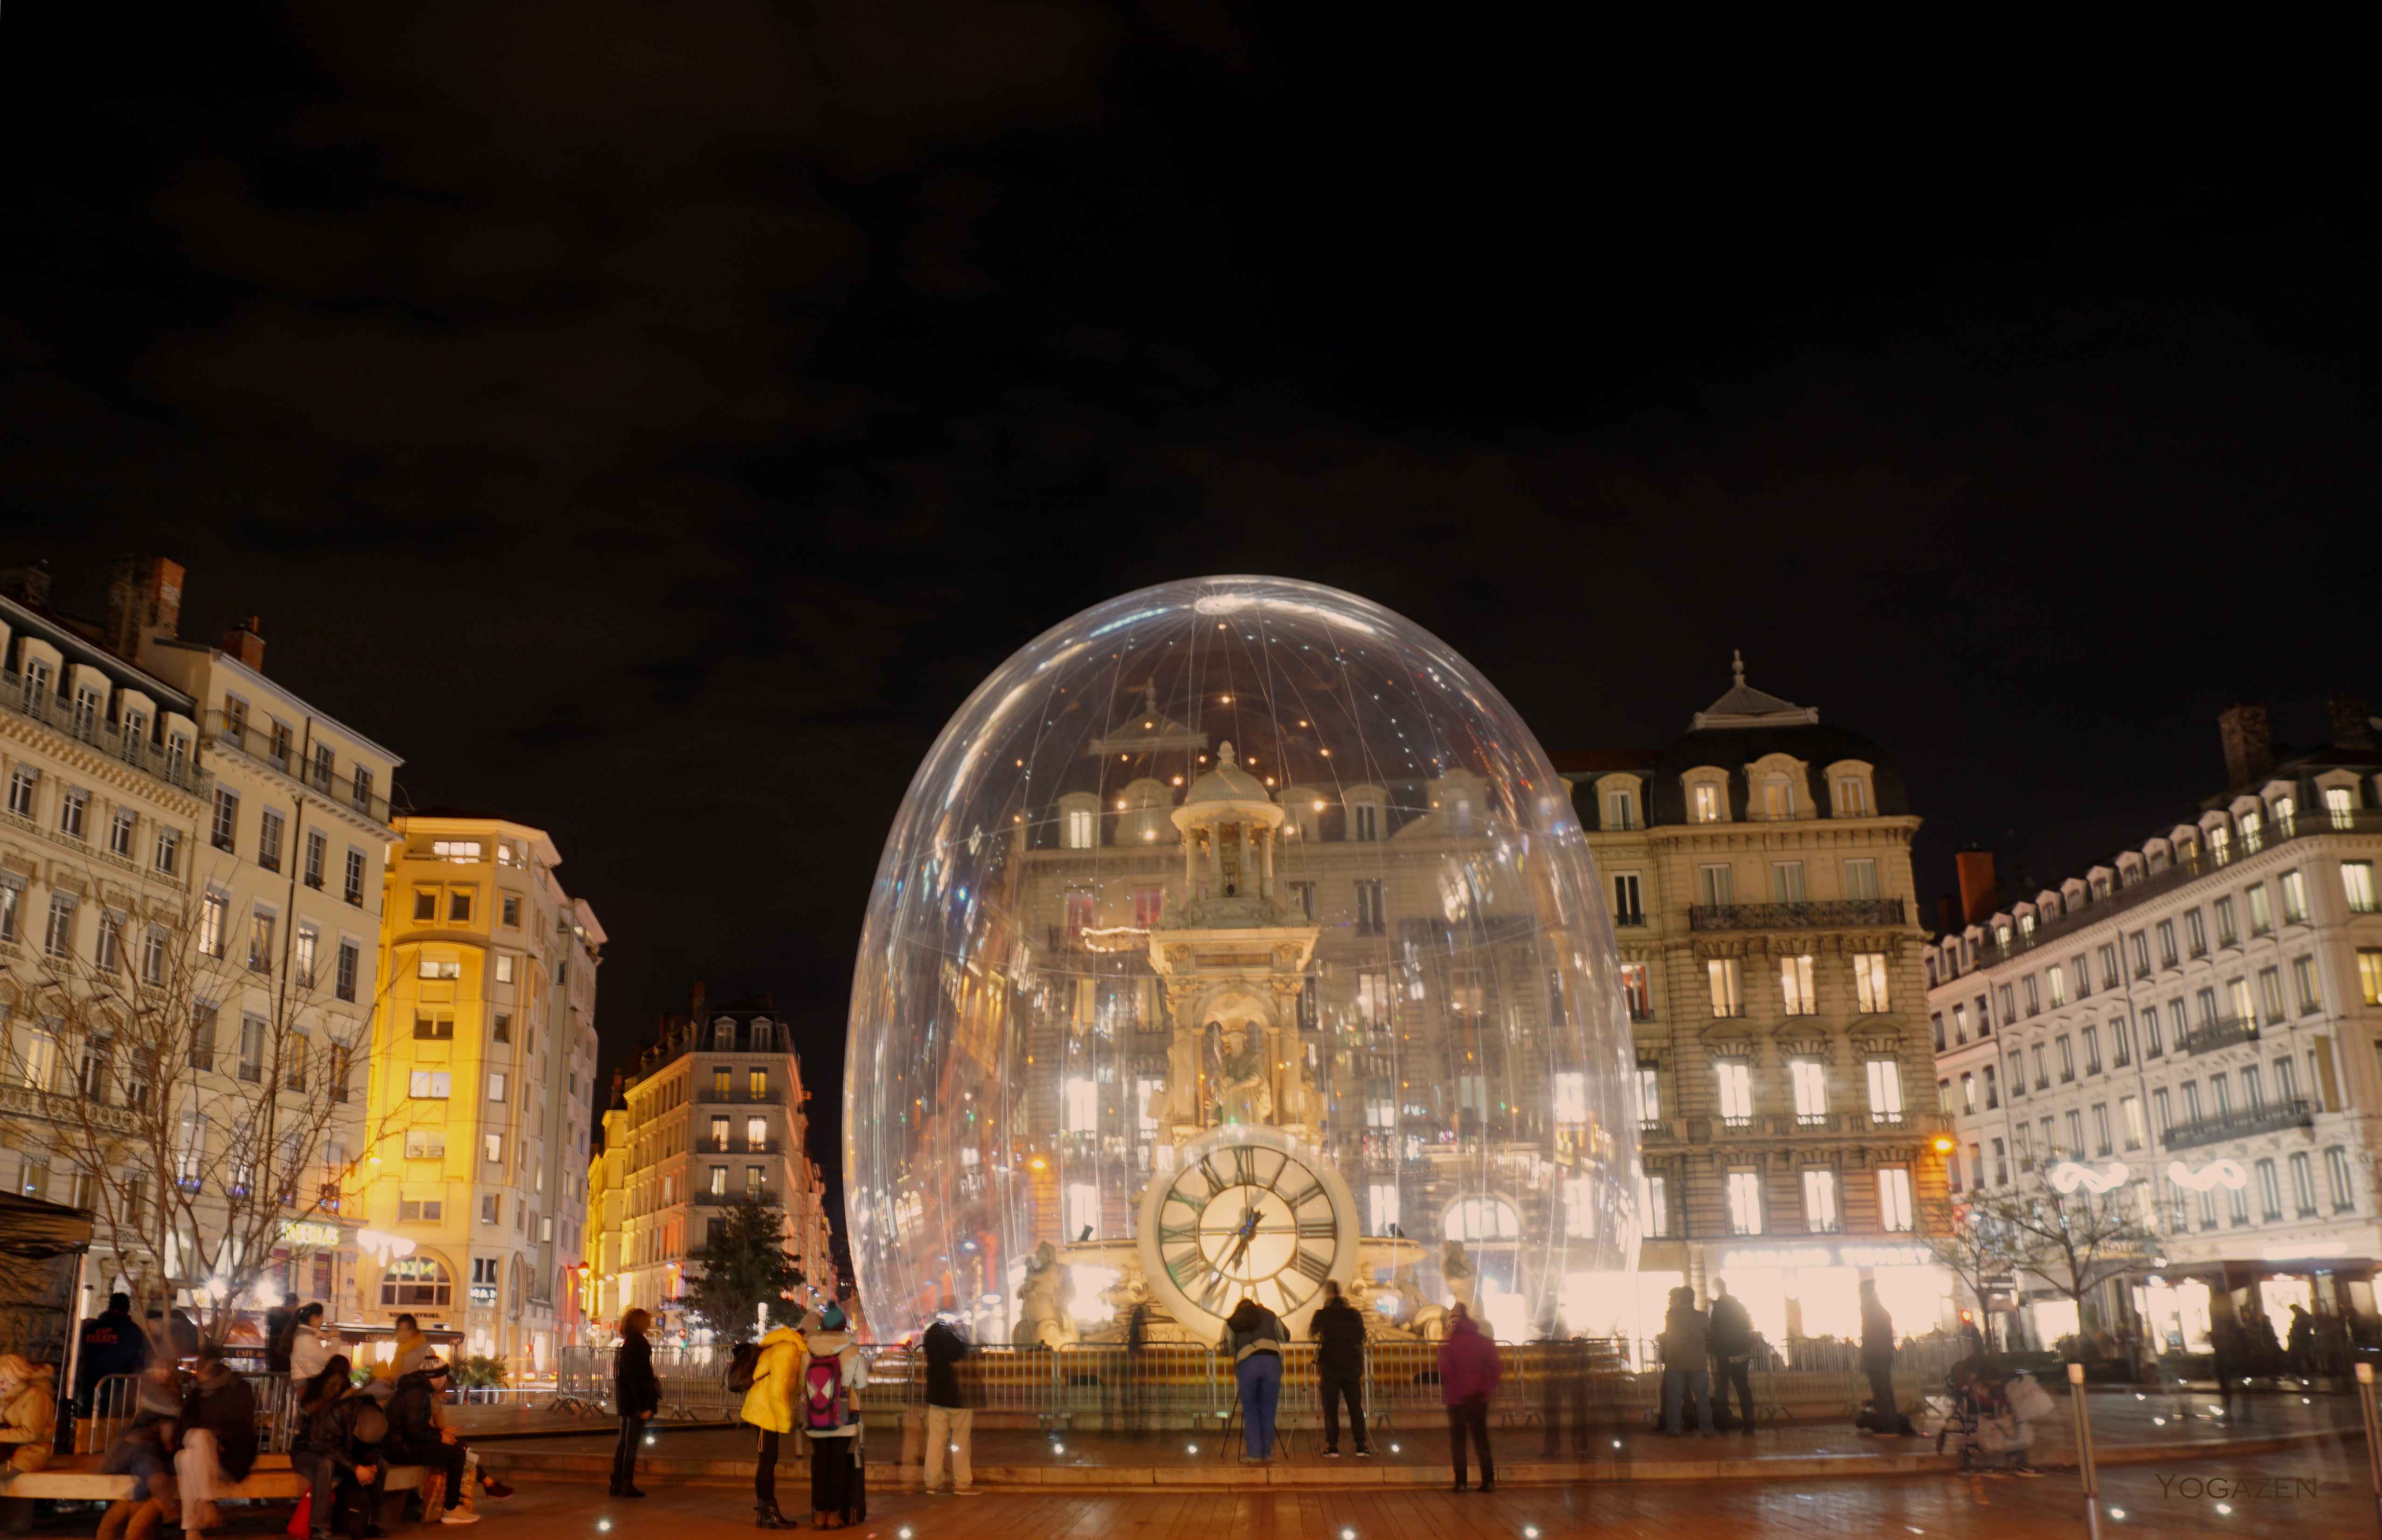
(951, 1421)
(636, 1396)
(831, 1374)
(769, 1372)
(1339, 1332)
(1731, 1338)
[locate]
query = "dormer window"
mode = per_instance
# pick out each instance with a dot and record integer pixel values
(1621, 810)
(1703, 802)
(1777, 797)
(1365, 821)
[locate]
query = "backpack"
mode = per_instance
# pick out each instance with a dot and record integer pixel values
(740, 1364)
(823, 1394)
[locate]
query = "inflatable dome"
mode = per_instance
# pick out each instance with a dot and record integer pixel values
(1236, 935)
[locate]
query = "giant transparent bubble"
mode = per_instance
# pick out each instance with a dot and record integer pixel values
(1236, 935)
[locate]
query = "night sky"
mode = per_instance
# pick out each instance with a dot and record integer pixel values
(652, 421)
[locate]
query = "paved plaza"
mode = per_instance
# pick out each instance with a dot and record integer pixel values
(2313, 1491)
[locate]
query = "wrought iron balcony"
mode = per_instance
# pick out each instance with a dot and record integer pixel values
(2223, 1032)
(257, 744)
(2271, 1119)
(1815, 914)
(103, 736)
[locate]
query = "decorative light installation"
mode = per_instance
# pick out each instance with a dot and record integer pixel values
(1236, 935)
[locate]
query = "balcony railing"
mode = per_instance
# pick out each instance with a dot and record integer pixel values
(103, 736)
(2272, 1118)
(1817, 914)
(2300, 825)
(337, 786)
(2223, 1032)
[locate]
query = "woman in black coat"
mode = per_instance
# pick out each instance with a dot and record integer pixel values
(637, 1395)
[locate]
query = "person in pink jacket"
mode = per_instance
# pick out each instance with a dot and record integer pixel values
(1469, 1372)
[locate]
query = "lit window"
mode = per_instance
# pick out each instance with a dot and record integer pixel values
(1721, 972)
(1736, 1092)
(1811, 1079)
(1869, 982)
(1852, 797)
(1894, 1197)
(1083, 1209)
(1571, 1096)
(1885, 1090)
(1705, 803)
(1794, 983)
(1820, 1202)
(1082, 1105)
(2357, 883)
(1745, 1202)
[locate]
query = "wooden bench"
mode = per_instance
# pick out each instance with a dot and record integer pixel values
(77, 1478)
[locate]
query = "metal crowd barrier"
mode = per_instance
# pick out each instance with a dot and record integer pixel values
(1189, 1384)
(116, 1399)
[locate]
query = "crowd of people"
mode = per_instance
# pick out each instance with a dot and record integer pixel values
(188, 1435)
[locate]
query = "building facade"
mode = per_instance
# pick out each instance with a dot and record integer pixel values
(712, 1112)
(168, 798)
(482, 1086)
(1762, 888)
(2191, 1018)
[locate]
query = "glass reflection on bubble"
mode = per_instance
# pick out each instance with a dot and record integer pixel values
(1235, 934)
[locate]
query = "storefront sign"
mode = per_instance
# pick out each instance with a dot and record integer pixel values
(2216, 1173)
(2067, 1176)
(309, 1233)
(484, 1293)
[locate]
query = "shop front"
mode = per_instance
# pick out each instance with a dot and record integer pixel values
(2305, 1315)
(1811, 1293)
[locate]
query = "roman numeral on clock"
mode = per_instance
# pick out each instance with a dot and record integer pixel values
(1244, 1166)
(1315, 1264)
(1213, 1294)
(1318, 1227)
(1305, 1196)
(1186, 1267)
(1169, 1234)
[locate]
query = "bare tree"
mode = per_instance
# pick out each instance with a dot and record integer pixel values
(2072, 1242)
(1977, 1246)
(206, 1085)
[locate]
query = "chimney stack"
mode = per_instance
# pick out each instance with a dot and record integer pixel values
(144, 601)
(2351, 726)
(694, 1002)
(1948, 913)
(242, 642)
(2249, 746)
(1977, 887)
(29, 585)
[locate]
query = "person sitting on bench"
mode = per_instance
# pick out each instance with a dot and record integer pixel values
(218, 1441)
(340, 1445)
(416, 1437)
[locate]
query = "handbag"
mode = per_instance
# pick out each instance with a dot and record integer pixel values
(2003, 1434)
(2029, 1402)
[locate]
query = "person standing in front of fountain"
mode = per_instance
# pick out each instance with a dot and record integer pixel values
(1254, 1336)
(1339, 1333)
(1469, 1372)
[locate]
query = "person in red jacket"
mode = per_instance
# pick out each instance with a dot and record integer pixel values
(1468, 1371)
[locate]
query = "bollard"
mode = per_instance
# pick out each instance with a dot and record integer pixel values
(2372, 1417)
(2084, 1451)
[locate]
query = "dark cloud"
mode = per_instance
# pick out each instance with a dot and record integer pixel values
(653, 421)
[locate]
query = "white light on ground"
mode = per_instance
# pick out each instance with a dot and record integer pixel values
(2224, 1508)
(1193, 1447)
(1616, 1443)
(649, 1438)
(1058, 1448)
(2159, 1421)
(603, 1526)
(1347, 1534)
(903, 1532)
(1529, 1531)
(2116, 1513)
(1393, 1449)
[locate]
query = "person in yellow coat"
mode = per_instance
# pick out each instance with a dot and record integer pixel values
(769, 1406)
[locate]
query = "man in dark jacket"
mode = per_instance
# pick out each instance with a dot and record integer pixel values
(951, 1420)
(1339, 1332)
(111, 1343)
(636, 1396)
(218, 1439)
(277, 1323)
(1687, 1353)
(1877, 1360)
(341, 1443)
(1732, 1353)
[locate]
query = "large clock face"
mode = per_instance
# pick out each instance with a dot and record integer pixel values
(1248, 1212)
